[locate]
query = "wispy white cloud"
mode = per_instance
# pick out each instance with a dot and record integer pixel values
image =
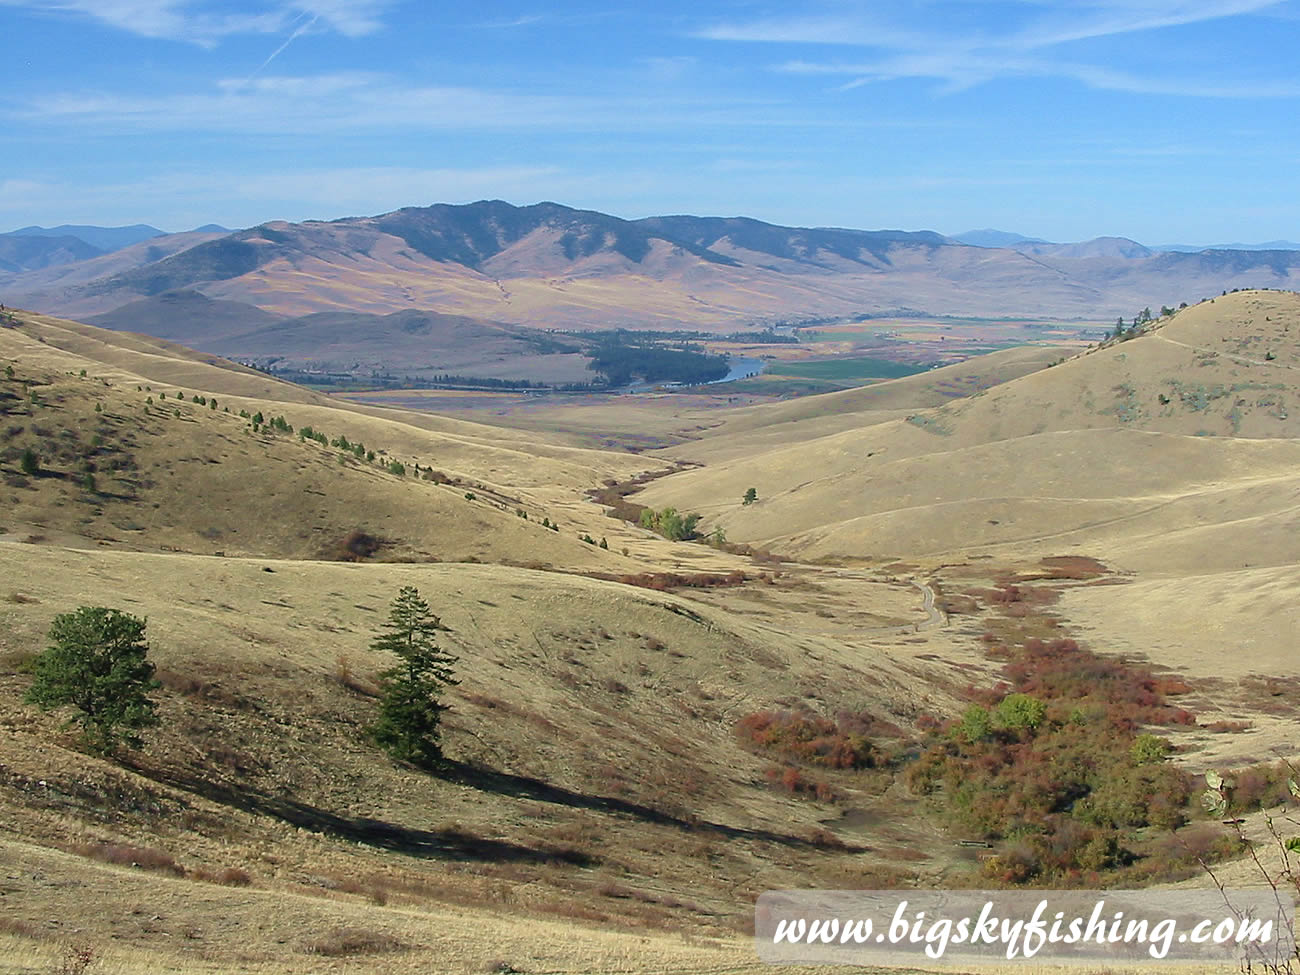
(365, 102)
(859, 29)
(351, 18)
(939, 40)
(205, 22)
(303, 25)
(668, 68)
(527, 20)
(959, 71)
(15, 191)
(1085, 21)
(342, 101)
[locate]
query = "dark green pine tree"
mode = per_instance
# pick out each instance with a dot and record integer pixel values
(410, 711)
(97, 664)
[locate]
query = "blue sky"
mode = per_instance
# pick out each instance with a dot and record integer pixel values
(1166, 121)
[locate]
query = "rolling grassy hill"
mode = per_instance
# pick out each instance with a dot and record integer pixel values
(1173, 454)
(139, 436)
(592, 731)
(607, 808)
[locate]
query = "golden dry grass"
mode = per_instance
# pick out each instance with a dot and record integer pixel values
(604, 815)
(1173, 455)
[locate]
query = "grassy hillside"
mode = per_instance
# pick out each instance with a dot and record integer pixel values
(645, 735)
(598, 778)
(592, 730)
(1174, 454)
(1202, 401)
(745, 431)
(136, 461)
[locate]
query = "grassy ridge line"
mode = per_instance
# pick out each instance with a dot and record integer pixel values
(181, 475)
(482, 451)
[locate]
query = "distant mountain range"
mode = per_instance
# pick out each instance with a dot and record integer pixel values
(1272, 245)
(1004, 238)
(32, 248)
(996, 238)
(557, 267)
(18, 253)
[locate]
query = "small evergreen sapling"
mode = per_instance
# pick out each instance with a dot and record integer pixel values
(409, 711)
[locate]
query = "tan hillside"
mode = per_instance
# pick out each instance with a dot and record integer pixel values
(57, 280)
(594, 726)
(604, 810)
(740, 432)
(132, 357)
(1174, 454)
(1188, 407)
(178, 474)
(601, 780)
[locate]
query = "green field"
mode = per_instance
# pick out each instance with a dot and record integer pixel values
(769, 385)
(857, 367)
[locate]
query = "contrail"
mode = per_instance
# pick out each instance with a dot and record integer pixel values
(279, 50)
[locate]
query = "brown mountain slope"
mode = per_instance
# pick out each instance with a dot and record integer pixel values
(407, 343)
(554, 266)
(60, 283)
(186, 316)
(19, 254)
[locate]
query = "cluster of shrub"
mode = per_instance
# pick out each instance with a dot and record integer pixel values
(670, 523)
(1053, 763)
(803, 740)
(841, 742)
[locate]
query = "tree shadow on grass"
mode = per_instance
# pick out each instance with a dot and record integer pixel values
(451, 843)
(527, 787)
(455, 843)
